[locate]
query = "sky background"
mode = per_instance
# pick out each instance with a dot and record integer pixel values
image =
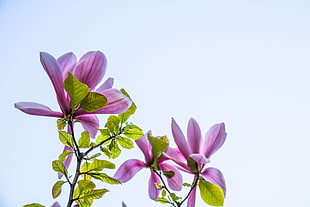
(245, 63)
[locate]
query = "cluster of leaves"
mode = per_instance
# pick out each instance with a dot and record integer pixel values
(117, 132)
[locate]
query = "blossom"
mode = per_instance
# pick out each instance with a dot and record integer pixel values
(199, 150)
(90, 70)
(130, 167)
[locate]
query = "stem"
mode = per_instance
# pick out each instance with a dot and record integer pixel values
(174, 203)
(192, 188)
(75, 179)
(104, 141)
(79, 157)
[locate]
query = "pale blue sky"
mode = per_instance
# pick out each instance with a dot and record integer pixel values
(245, 63)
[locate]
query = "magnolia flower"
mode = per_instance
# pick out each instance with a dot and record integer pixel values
(89, 70)
(198, 150)
(130, 167)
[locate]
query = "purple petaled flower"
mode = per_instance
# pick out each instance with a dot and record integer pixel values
(198, 150)
(130, 167)
(90, 70)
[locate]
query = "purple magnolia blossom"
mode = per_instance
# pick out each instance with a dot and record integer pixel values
(199, 150)
(90, 70)
(130, 167)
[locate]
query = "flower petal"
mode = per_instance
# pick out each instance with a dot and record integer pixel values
(175, 183)
(56, 204)
(215, 176)
(128, 169)
(145, 146)
(106, 85)
(54, 72)
(214, 139)
(67, 62)
(153, 190)
(90, 123)
(37, 109)
(179, 139)
(194, 136)
(91, 68)
(175, 155)
(192, 197)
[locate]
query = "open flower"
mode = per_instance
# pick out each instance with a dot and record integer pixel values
(130, 167)
(90, 70)
(199, 150)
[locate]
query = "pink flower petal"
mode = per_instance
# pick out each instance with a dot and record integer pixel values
(214, 139)
(192, 198)
(194, 136)
(175, 155)
(54, 72)
(153, 190)
(215, 176)
(175, 183)
(37, 109)
(128, 169)
(179, 139)
(90, 123)
(67, 63)
(145, 146)
(91, 68)
(106, 85)
(56, 204)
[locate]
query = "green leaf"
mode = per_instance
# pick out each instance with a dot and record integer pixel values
(63, 156)
(163, 193)
(105, 178)
(115, 120)
(112, 127)
(192, 164)
(65, 138)
(168, 174)
(59, 167)
(130, 111)
(84, 141)
(106, 151)
(94, 194)
(83, 185)
(93, 102)
(94, 156)
(174, 197)
(162, 200)
(33, 205)
(61, 123)
(114, 149)
(159, 145)
(125, 142)
(56, 190)
(76, 90)
(133, 132)
(99, 165)
(102, 138)
(187, 185)
(210, 193)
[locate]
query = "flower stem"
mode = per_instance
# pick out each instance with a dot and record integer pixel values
(192, 188)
